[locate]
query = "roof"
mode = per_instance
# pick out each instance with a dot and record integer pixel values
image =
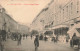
(44, 9)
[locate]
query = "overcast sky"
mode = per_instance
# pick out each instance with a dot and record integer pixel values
(23, 13)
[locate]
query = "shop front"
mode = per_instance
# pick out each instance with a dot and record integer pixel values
(60, 30)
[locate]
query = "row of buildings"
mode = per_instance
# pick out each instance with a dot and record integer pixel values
(58, 16)
(9, 24)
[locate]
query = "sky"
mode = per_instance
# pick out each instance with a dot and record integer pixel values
(22, 11)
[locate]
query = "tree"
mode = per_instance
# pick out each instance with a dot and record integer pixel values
(34, 32)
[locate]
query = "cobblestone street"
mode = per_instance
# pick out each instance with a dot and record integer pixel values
(28, 45)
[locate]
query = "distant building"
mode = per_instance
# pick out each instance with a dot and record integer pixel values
(9, 24)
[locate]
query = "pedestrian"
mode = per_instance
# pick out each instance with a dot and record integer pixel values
(36, 42)
(74, 36)
(1, 44)
(41, 37)
(45, 38)
(23, 36)
(26, 36)
(73, 40)
(3, 33)
(67, 38)
(31, 36)
(19, 39)
(56, 38)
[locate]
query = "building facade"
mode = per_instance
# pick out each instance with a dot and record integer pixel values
(57, 13)
(9, 24)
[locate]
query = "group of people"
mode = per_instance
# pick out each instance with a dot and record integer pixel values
(55, 39)
(18, 37)
(13, 36)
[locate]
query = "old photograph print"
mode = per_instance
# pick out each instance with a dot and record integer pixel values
(39, 25)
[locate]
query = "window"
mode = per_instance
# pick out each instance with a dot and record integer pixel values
(63, 13)
(67, 10)
(77, 6)
(71, 7)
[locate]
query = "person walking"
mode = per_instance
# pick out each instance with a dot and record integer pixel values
(36, 42)
(19, 39)
(3, 33)
(1, 44)
(23, 36)
(31, 37)
(26, 36)
(67, 38)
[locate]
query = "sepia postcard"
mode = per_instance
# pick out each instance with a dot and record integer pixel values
(39, 25)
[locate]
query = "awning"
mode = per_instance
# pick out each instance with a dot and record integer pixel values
(61, 31)
(74, 29)
(78, 29)
(59, 26)
(76, 25)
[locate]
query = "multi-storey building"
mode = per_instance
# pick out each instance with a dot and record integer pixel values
(9, 24)
(58, 14)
